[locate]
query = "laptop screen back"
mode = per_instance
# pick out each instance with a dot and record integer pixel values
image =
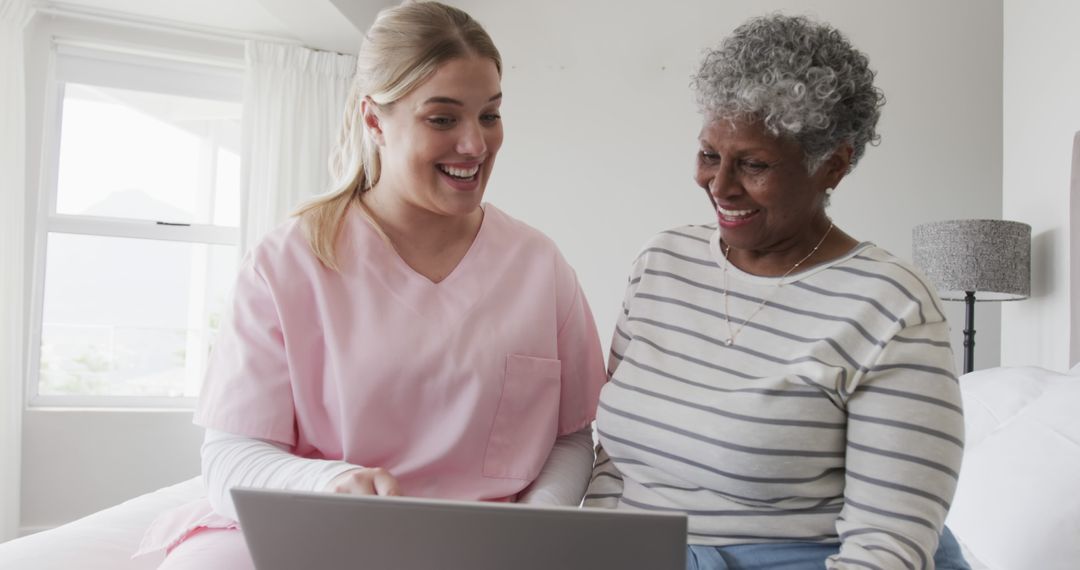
(287, 530)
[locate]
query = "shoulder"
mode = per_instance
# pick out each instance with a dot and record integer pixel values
(877, 262)
(514, 234)
(285, 244)
(282, 249)
(890, 279)
(678, 249)
(683, 239)
(529, 251)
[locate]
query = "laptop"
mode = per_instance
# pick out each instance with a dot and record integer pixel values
(291, 530)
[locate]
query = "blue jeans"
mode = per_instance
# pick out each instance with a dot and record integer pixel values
(798, 556)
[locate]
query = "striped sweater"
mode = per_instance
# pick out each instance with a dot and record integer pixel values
(834, 417)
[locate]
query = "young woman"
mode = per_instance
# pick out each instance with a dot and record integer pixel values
(400, 336)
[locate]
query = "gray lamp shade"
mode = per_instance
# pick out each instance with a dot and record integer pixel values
(989, 257)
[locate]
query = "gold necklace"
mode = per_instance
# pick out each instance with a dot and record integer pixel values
(780, 283)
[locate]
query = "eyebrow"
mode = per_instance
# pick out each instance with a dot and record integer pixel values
(703, 143)
(452, 101)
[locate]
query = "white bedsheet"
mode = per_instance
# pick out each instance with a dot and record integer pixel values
(104, 540)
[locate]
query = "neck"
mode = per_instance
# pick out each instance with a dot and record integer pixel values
(821, 242)
(408, 226)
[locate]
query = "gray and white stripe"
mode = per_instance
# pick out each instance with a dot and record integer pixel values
(835, 416)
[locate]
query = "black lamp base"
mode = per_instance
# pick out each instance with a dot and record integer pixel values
(969, 332)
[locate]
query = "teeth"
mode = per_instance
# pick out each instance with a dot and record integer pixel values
(734, 213)
(460, 172)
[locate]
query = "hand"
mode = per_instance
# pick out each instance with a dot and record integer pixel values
(365, 481)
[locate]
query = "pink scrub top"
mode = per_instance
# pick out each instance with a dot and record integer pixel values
(457, 388)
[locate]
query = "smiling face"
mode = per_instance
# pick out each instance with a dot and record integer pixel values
(437, 144)
(765, 200)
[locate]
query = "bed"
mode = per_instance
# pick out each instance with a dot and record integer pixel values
(1016, 508)
(100, 541)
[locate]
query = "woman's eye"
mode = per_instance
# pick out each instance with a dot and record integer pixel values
(754, 165)
(708, 156)
(490, 118)
(441, 122)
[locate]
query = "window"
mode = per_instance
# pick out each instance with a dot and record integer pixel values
(138, 230)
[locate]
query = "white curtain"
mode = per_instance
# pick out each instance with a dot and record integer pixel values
(293, 101)
(14, 15)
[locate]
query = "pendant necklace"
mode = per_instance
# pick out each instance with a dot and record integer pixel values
(732, 333)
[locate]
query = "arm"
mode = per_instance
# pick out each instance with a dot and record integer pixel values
(606, 484)
(565, 473)
(581, 358)
(904, 448)
(563, 478)
(235, 461)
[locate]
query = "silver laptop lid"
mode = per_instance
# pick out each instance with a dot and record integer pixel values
(288, 530)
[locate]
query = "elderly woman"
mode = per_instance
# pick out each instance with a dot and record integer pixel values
(787, 386)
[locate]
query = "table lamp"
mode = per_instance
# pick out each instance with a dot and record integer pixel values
(975, 260)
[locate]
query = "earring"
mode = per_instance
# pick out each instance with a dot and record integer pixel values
(829, 191)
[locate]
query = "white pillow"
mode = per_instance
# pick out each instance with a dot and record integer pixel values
(1017, 506)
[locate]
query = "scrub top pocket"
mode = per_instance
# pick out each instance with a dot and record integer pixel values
(528, 406)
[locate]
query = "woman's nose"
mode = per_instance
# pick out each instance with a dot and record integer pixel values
(722, 183)
(472, 141)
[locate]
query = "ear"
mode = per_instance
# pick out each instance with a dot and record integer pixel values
(836, 166)
(369, 114)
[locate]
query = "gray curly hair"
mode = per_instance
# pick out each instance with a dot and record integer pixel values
(802, 79)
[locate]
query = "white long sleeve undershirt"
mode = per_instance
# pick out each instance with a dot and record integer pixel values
(565, 475)
(230, 460)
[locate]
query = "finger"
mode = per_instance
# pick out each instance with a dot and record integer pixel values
(362, 485)
(385, 484)
(354, 483)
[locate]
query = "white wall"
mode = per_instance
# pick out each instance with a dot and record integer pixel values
(76, 462)
(601, 128)
(1042, 117)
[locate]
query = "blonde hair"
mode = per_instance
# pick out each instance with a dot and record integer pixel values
(403, 48)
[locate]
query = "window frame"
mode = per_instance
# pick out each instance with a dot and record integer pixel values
(120, 67)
